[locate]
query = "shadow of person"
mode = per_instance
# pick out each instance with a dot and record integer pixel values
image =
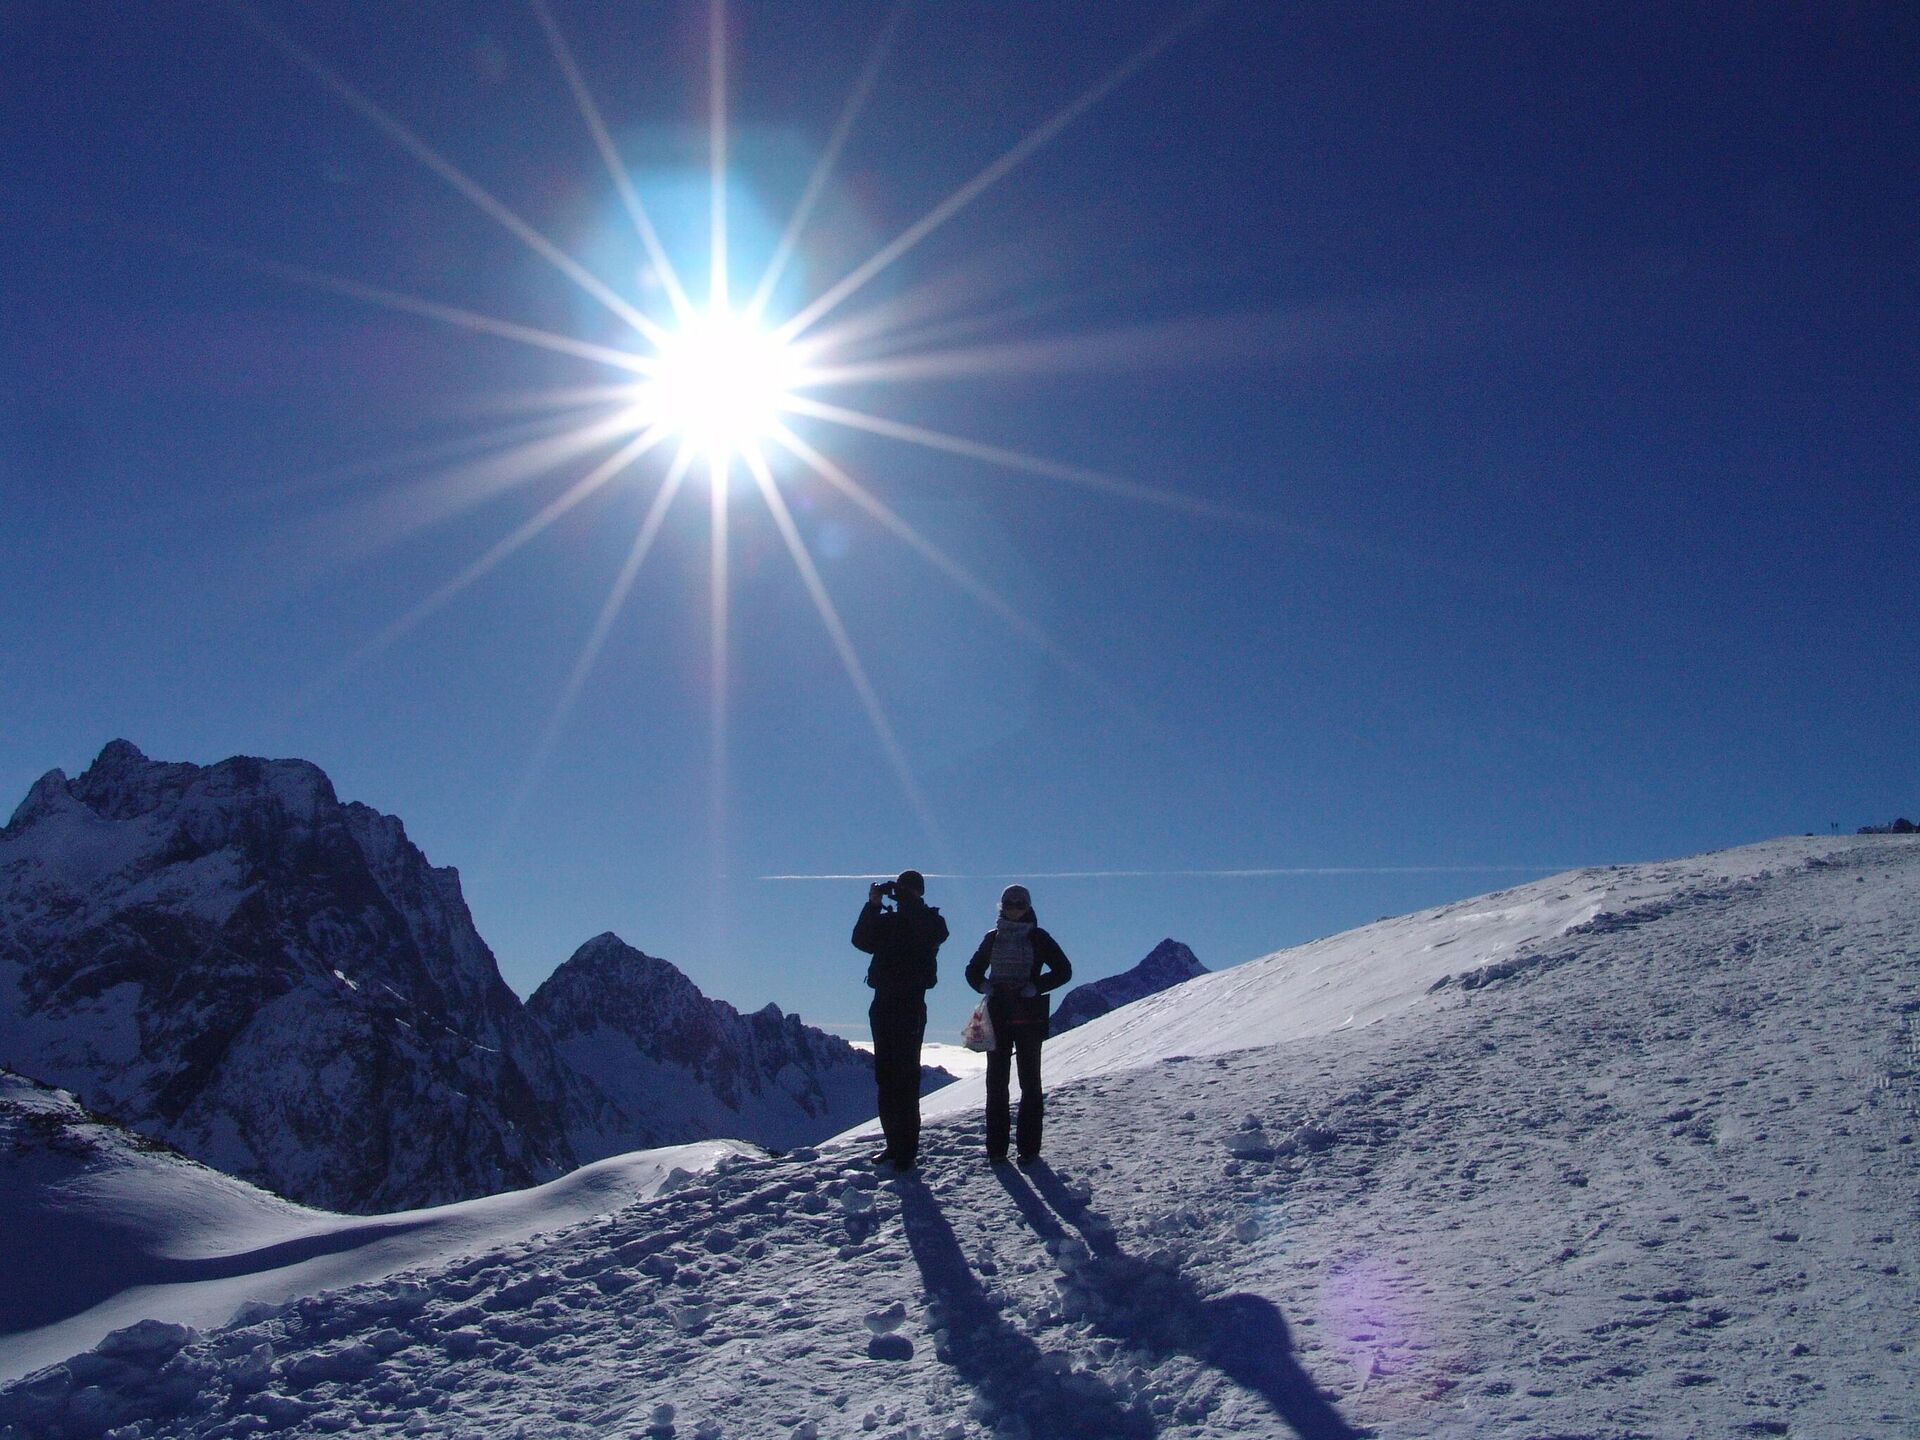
(1152, 1305)
(1004, 1366)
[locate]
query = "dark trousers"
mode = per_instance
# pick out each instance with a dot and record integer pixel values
(1014, 1045)
(899, 1025)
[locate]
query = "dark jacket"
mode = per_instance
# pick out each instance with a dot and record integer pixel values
(903, 944)
(1051, 970)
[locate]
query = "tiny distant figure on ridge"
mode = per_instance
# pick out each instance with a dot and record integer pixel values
(903, 942)
(1016, 965)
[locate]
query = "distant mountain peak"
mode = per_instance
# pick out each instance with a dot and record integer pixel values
(1170, 958)
(676, 1065)
(1168, 964)
(50, 793)
(230, 958)
(119, 754)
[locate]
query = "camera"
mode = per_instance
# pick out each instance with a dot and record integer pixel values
(888, 889)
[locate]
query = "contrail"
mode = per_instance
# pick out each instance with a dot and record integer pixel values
(1247, 874)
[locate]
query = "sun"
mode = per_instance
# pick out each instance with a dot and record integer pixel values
(719, 384)
(716, 390)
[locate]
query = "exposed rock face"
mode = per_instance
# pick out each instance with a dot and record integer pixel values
(676, 1066)
(229, 959)
(1168, 964)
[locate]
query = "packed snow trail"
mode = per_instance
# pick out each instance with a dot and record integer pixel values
(1659, 1179)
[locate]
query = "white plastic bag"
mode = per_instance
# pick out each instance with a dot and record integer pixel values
(977, 1033)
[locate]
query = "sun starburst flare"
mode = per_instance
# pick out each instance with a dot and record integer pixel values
(717, 386)
(720, 384)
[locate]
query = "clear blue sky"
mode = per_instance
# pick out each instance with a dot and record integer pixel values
(1565, 357)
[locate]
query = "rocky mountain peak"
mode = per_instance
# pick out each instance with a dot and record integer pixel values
(227, 958)
(230, 959)
(1171, 962)
(1168, 964)
(122, 783)
(675, 1065)
(50, 793)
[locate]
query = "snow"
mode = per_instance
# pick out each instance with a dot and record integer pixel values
(1644, 1164)
(125, 1235)
(956, 1060)
(1364, 976)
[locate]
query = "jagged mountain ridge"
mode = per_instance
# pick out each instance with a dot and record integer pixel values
(230, 959)
(676, 1065)
(1168, 964)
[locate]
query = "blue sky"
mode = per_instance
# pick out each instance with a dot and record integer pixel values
(1558, 365)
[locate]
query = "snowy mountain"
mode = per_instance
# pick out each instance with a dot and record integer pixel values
(1168, 964)
(676, 1066)
(231, 960)
(1628, 1151)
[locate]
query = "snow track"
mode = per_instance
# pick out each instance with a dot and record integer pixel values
(1659, 1181)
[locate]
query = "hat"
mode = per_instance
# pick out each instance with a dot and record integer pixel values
(912, 882)
(1016, 896)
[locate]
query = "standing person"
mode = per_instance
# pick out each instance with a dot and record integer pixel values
(903, 942)
(1016, 965)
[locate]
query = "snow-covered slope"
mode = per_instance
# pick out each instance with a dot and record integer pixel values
(676, 1066)
(1644, 1165)
(230, 959)
(100, 1229)
(1166, 965)
(1403, 967)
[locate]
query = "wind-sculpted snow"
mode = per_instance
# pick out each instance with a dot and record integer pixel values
(1657, 1180)
(101, 1229)
(1406, 966)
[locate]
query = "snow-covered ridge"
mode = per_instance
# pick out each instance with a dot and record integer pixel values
(1396, 966)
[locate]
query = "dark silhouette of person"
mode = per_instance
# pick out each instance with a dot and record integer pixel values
(903, 942)
(1016, 965)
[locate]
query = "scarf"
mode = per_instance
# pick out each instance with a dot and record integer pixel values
(1012, 965)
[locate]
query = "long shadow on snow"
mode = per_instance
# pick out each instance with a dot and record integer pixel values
(991, 1355)
(1154, 1306)
(52, 1279)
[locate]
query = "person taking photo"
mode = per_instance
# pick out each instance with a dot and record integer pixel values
(903, 942)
